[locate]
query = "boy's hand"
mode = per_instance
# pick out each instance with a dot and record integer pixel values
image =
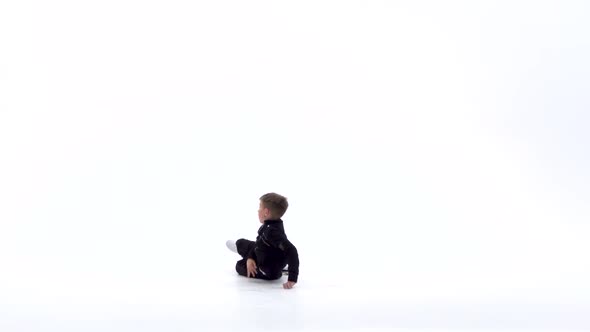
(289, 284)
(251, 267)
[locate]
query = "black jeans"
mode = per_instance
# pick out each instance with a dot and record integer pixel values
(271, 269)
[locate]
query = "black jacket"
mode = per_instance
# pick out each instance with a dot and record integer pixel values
(273, 250)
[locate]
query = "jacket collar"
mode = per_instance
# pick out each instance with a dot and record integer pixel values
(273, 221)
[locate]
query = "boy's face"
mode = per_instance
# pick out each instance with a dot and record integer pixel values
(263, 213)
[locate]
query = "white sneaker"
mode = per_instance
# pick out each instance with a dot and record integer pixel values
(231, 245)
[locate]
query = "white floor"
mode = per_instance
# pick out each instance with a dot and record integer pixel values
(216, 299)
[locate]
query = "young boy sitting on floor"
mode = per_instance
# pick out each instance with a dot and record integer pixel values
(267, 257)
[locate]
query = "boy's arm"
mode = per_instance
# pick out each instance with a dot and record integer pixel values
(280, 241)
(292, 259)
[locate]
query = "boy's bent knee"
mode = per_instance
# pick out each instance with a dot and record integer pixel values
(241, 267)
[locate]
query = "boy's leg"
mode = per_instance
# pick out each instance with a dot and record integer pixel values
(244, 247)
(241, 267)
(261, 273)
(270, 272)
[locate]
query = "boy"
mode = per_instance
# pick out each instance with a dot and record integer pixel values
(272, 251)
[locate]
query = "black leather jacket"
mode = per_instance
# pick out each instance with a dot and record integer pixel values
(273, 250)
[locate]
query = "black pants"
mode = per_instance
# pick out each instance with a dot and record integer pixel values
(271, 270)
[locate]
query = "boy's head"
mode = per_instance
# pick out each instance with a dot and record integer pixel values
(272, 206)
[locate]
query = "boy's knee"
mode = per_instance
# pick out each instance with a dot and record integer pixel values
(241, 268)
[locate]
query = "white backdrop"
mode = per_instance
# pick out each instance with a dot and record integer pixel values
(429, 150)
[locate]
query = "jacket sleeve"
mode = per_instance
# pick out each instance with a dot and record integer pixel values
(279, 240)
(292, 259)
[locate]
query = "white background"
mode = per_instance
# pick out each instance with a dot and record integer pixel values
(435, 156)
